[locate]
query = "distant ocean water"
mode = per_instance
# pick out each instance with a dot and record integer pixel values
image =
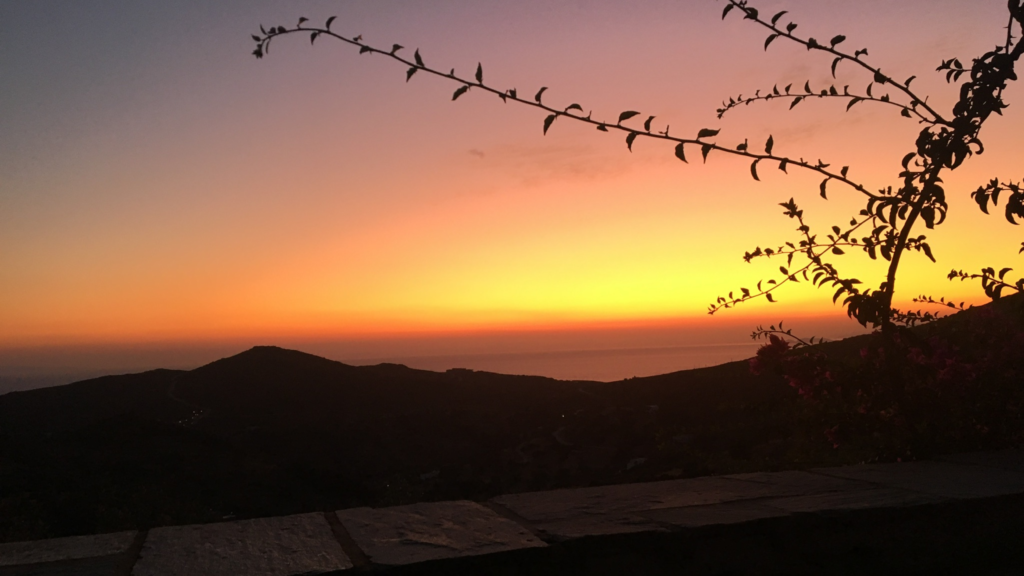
(601, 365)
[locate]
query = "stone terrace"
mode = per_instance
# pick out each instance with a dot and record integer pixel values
(921, 515)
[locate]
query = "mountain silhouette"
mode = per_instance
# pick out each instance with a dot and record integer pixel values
(274, 431)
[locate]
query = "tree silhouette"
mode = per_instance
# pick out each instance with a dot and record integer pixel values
(886, 225)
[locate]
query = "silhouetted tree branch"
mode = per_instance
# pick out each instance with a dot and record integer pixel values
(943, 144)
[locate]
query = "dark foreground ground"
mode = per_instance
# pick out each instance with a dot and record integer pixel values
(271, 432)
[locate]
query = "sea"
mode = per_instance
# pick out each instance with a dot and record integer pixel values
(606, 364)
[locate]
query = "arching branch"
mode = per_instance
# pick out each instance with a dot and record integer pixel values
(816, 271)
(840, 56)
(906, 111)
(573, 111)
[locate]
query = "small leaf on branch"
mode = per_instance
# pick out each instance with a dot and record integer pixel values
(880, 78)
(462, 90)
(548, 121)
(844, 171)
(753, 169)
(852, 102)
(728, 9)
(410, 72)
(629, 140)
(769, 145)
(782, 166)
(823, 185)
(539, 94)
(796, 101)
(905, 113)
(769, 296)
(742, 147)
(627, 115)
(312, 37)
(790, 27)
(574, 107)
(807, 87)
(705, 150)
(834, 64)
(909, 80)
(479, 73)
(396, 48)
(647, 123)
(329, 22)
(837, 251)
(303, 20)
(837, 40)
(775, 19)
(768, 42)
(602, 127)
(707, 133)
(681, 152)
(928, 214)
(365, 49)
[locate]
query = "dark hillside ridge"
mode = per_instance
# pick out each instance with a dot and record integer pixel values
(271, 431)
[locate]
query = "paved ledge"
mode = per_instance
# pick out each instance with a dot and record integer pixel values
(65, 549)
(302, 544)
(421, 532)
(704, 525)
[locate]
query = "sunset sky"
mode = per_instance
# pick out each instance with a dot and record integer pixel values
(162, 188)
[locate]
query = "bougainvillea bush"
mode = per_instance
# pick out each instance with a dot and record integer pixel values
(952, 385)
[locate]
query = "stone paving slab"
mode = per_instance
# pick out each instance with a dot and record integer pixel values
(735, 512)
(571, 528)
(65, 549)
(1003, 459)
(282, 546)
(622, 509)
(854, 500)
(606, 510)
(945, 479)
(796, 482)
(432, 531)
